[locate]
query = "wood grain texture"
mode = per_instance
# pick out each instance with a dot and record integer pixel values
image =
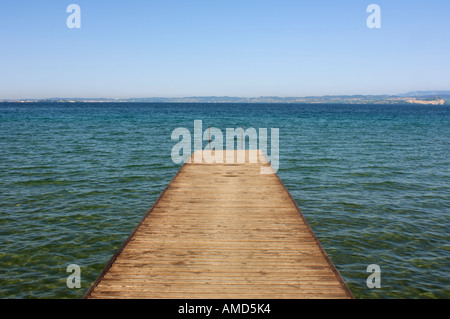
(222, 230)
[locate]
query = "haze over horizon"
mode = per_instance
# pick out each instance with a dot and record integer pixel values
(222, 48)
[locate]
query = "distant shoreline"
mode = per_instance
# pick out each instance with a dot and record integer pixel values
(416, 97)
(354, 99)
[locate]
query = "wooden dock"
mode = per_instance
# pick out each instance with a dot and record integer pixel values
(222, 231)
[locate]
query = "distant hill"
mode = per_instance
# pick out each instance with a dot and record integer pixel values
(425, 93)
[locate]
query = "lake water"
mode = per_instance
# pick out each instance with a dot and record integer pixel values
(372, 180)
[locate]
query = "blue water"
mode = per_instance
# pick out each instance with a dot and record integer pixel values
(372, 180)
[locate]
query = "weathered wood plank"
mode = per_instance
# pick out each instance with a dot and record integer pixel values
(222, 230)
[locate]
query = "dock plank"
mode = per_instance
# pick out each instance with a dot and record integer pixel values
(222, 230)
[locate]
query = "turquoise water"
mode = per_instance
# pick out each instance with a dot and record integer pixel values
(373, 182)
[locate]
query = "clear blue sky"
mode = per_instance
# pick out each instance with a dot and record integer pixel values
(177, 48)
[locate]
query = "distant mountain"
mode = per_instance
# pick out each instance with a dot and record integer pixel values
(425, 93)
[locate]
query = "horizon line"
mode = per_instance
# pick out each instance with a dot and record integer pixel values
(408, 94)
